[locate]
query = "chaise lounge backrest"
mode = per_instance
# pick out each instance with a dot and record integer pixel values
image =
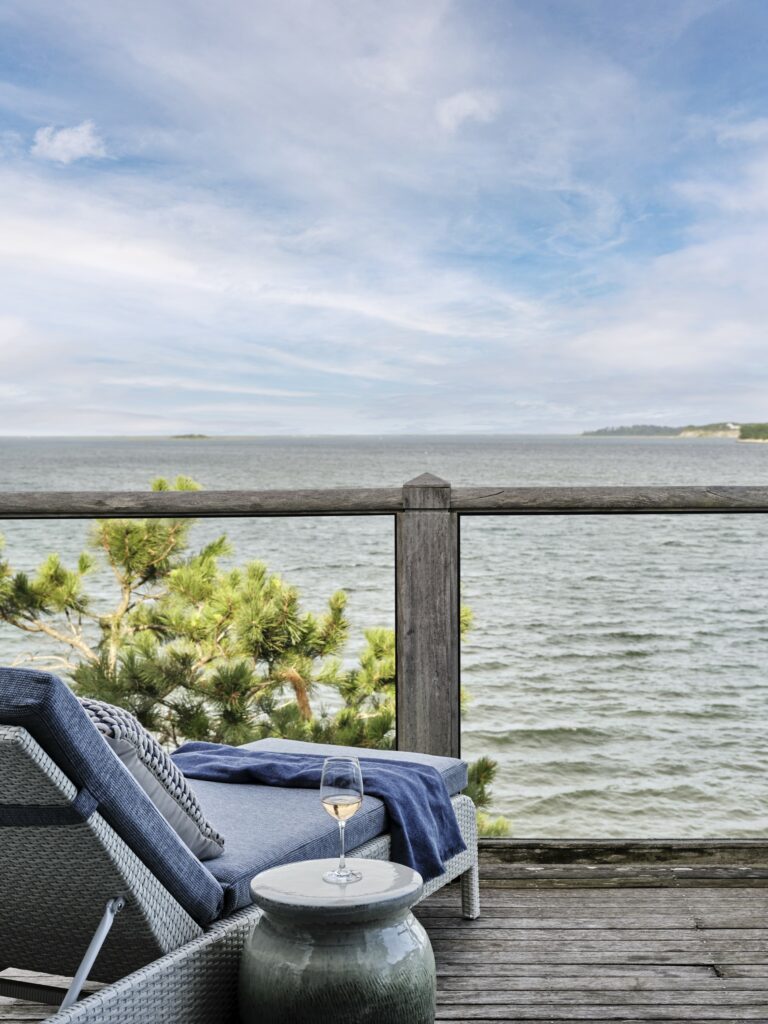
(77, 830)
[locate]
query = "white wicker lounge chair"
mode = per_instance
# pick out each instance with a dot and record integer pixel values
(77, 838)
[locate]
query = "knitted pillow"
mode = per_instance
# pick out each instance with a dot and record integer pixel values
(157, 775)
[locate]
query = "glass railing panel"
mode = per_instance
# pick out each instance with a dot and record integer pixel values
(316, 555)
(617, 671)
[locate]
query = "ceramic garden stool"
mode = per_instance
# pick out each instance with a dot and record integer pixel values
(337, 954)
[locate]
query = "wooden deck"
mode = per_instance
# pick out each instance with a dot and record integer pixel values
(606, 943)
(638, 942)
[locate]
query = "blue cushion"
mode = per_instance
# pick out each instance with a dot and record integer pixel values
(453, 771)
(265, 826)
(48, 709)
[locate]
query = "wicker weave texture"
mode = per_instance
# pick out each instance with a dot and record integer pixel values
(196, 984)
(28, 775)
(56, 880)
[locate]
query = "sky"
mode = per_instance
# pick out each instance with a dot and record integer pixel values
(354, 217)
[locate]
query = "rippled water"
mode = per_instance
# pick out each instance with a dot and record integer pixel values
(617, 666)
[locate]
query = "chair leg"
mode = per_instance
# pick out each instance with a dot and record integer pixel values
(113, 907)
(470, 893)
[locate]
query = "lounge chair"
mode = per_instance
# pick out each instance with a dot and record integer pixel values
(95, 884)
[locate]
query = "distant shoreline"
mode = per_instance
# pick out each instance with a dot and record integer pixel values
(672, 437)
(726, 429)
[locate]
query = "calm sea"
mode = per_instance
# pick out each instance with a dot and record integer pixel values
(618, 665)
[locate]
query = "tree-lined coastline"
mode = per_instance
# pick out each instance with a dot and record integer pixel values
(737, 431)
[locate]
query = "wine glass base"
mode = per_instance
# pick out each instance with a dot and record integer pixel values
(337, 877)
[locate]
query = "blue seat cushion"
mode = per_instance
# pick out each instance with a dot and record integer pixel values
(265, 826)
(51, 713)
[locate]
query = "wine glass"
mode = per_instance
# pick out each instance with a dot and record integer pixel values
(341, 794)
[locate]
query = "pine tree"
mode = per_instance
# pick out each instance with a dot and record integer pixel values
(197, 651)
(192, 650)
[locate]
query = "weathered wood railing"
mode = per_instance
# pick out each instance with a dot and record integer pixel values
(427, 514)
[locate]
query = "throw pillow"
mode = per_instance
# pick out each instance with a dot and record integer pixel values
(157, 775)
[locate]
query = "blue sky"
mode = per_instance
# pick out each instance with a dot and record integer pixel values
(326, 216)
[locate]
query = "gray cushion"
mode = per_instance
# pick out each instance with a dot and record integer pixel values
(267, 825)
(157, 775)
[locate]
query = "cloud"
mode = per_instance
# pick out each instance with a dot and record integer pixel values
(693, 318)
(65, 145)
(753, 131)
(746, 195)
(467, 106)
(173, 384)
(397, 216)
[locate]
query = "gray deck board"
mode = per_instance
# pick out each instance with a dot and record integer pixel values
(573, 946)
(578, 944)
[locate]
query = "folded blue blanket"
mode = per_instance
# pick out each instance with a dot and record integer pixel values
(422, 821)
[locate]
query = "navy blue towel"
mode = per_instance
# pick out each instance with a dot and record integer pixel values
(422, 821)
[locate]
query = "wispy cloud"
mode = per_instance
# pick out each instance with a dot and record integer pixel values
(471, 105)
(175, 384)
(754, 131)
(65, 145)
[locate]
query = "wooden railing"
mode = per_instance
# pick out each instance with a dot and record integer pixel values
(427, 514)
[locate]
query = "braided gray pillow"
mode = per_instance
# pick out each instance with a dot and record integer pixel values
(157, 775)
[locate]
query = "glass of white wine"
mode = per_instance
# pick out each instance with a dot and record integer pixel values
(341, 794)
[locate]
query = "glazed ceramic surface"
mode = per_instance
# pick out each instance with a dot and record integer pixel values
(330, 954)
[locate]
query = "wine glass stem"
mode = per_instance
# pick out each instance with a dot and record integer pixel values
(342, 862)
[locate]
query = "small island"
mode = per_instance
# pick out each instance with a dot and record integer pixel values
(737, 431)
(189, 437)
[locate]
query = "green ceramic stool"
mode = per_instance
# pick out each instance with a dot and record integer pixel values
(337, 954)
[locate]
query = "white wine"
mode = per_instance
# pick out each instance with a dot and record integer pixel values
(342, 806)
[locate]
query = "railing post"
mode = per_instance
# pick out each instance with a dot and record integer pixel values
(427, 618)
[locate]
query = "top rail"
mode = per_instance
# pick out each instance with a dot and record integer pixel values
(607, 500)
(356, 501)
(361, 501)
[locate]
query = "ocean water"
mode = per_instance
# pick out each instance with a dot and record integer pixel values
(618, 666)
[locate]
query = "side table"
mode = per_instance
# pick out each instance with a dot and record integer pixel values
(337, 954)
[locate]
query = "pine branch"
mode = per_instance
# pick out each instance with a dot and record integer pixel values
(175, 527)
(290, 675)
(51, 660)
(75, 642)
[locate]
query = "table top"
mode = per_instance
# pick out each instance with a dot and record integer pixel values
(299, 890)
